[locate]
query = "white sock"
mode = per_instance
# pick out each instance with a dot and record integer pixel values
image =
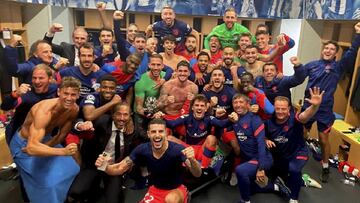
(247, 201)
(293, 201)
(325, 165)
(276, 187)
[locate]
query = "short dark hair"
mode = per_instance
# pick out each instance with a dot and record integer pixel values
(269, 64)
(261, 32)
(106, 29)
(199, 97)
(87, 45)
(107, 77)
(245, 34)
(139, 35)
(217, 68)
(70, 82)
(158, 121)
(118, 106)
(202, 53)
(333, 43)
(190, 36)
(282, 98)
(170, 38)
(243, 96)
(251, 46)
(244, 74)
(183, 63)
(263, 25)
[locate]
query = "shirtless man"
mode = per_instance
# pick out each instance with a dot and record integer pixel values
(170, 58)
(45, 166)
(174, 93)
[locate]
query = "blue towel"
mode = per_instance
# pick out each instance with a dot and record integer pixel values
(46, 179)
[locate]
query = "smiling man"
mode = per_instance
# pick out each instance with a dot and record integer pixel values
(171, 26)
(198, 130)
(228, 32)
(171, 59)
(84, 72)
(326, 73)
(46, 168)
(111, 137)
(164, 160)
(146, 95)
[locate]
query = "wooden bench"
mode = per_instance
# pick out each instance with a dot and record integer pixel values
(338, 137)
(5, 156)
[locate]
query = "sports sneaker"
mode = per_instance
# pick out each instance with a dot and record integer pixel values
(233, 180)
(309, 182)
(283, 189)
(324, 175)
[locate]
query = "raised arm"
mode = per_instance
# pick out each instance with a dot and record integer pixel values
(37, 131)
(348, 59)
(191, 163)
(91, 113)
(164, 98)
(315, 100)
(298, 77)
(49, 36)
(101, 7)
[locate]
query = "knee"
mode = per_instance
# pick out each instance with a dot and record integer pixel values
(174, 197)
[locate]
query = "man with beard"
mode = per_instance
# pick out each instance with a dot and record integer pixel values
(26, 95)
(215, 50)
(202, 77)
(164, 160)
(113, 140)
(252, 64)
(40, 52)
(99, 103)
(170, 58)
(228, 32)
(124, 73)
(257, 97)
(190, 49)
(47, 168)
(66, 50)
(256, 160)
(171, 26)
(230, 68)
(244, 41)
(273, 86)
(220, 96)
(326, 73)
(198, 129)
(146, 94)
(262, 42)
(175, 95)
(84, 72)
(285, 139)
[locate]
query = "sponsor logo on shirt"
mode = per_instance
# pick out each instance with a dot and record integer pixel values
(281, 139)
(241, 136)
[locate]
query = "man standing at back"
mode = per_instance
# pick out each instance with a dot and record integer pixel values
(229, 32)
(171, 26)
